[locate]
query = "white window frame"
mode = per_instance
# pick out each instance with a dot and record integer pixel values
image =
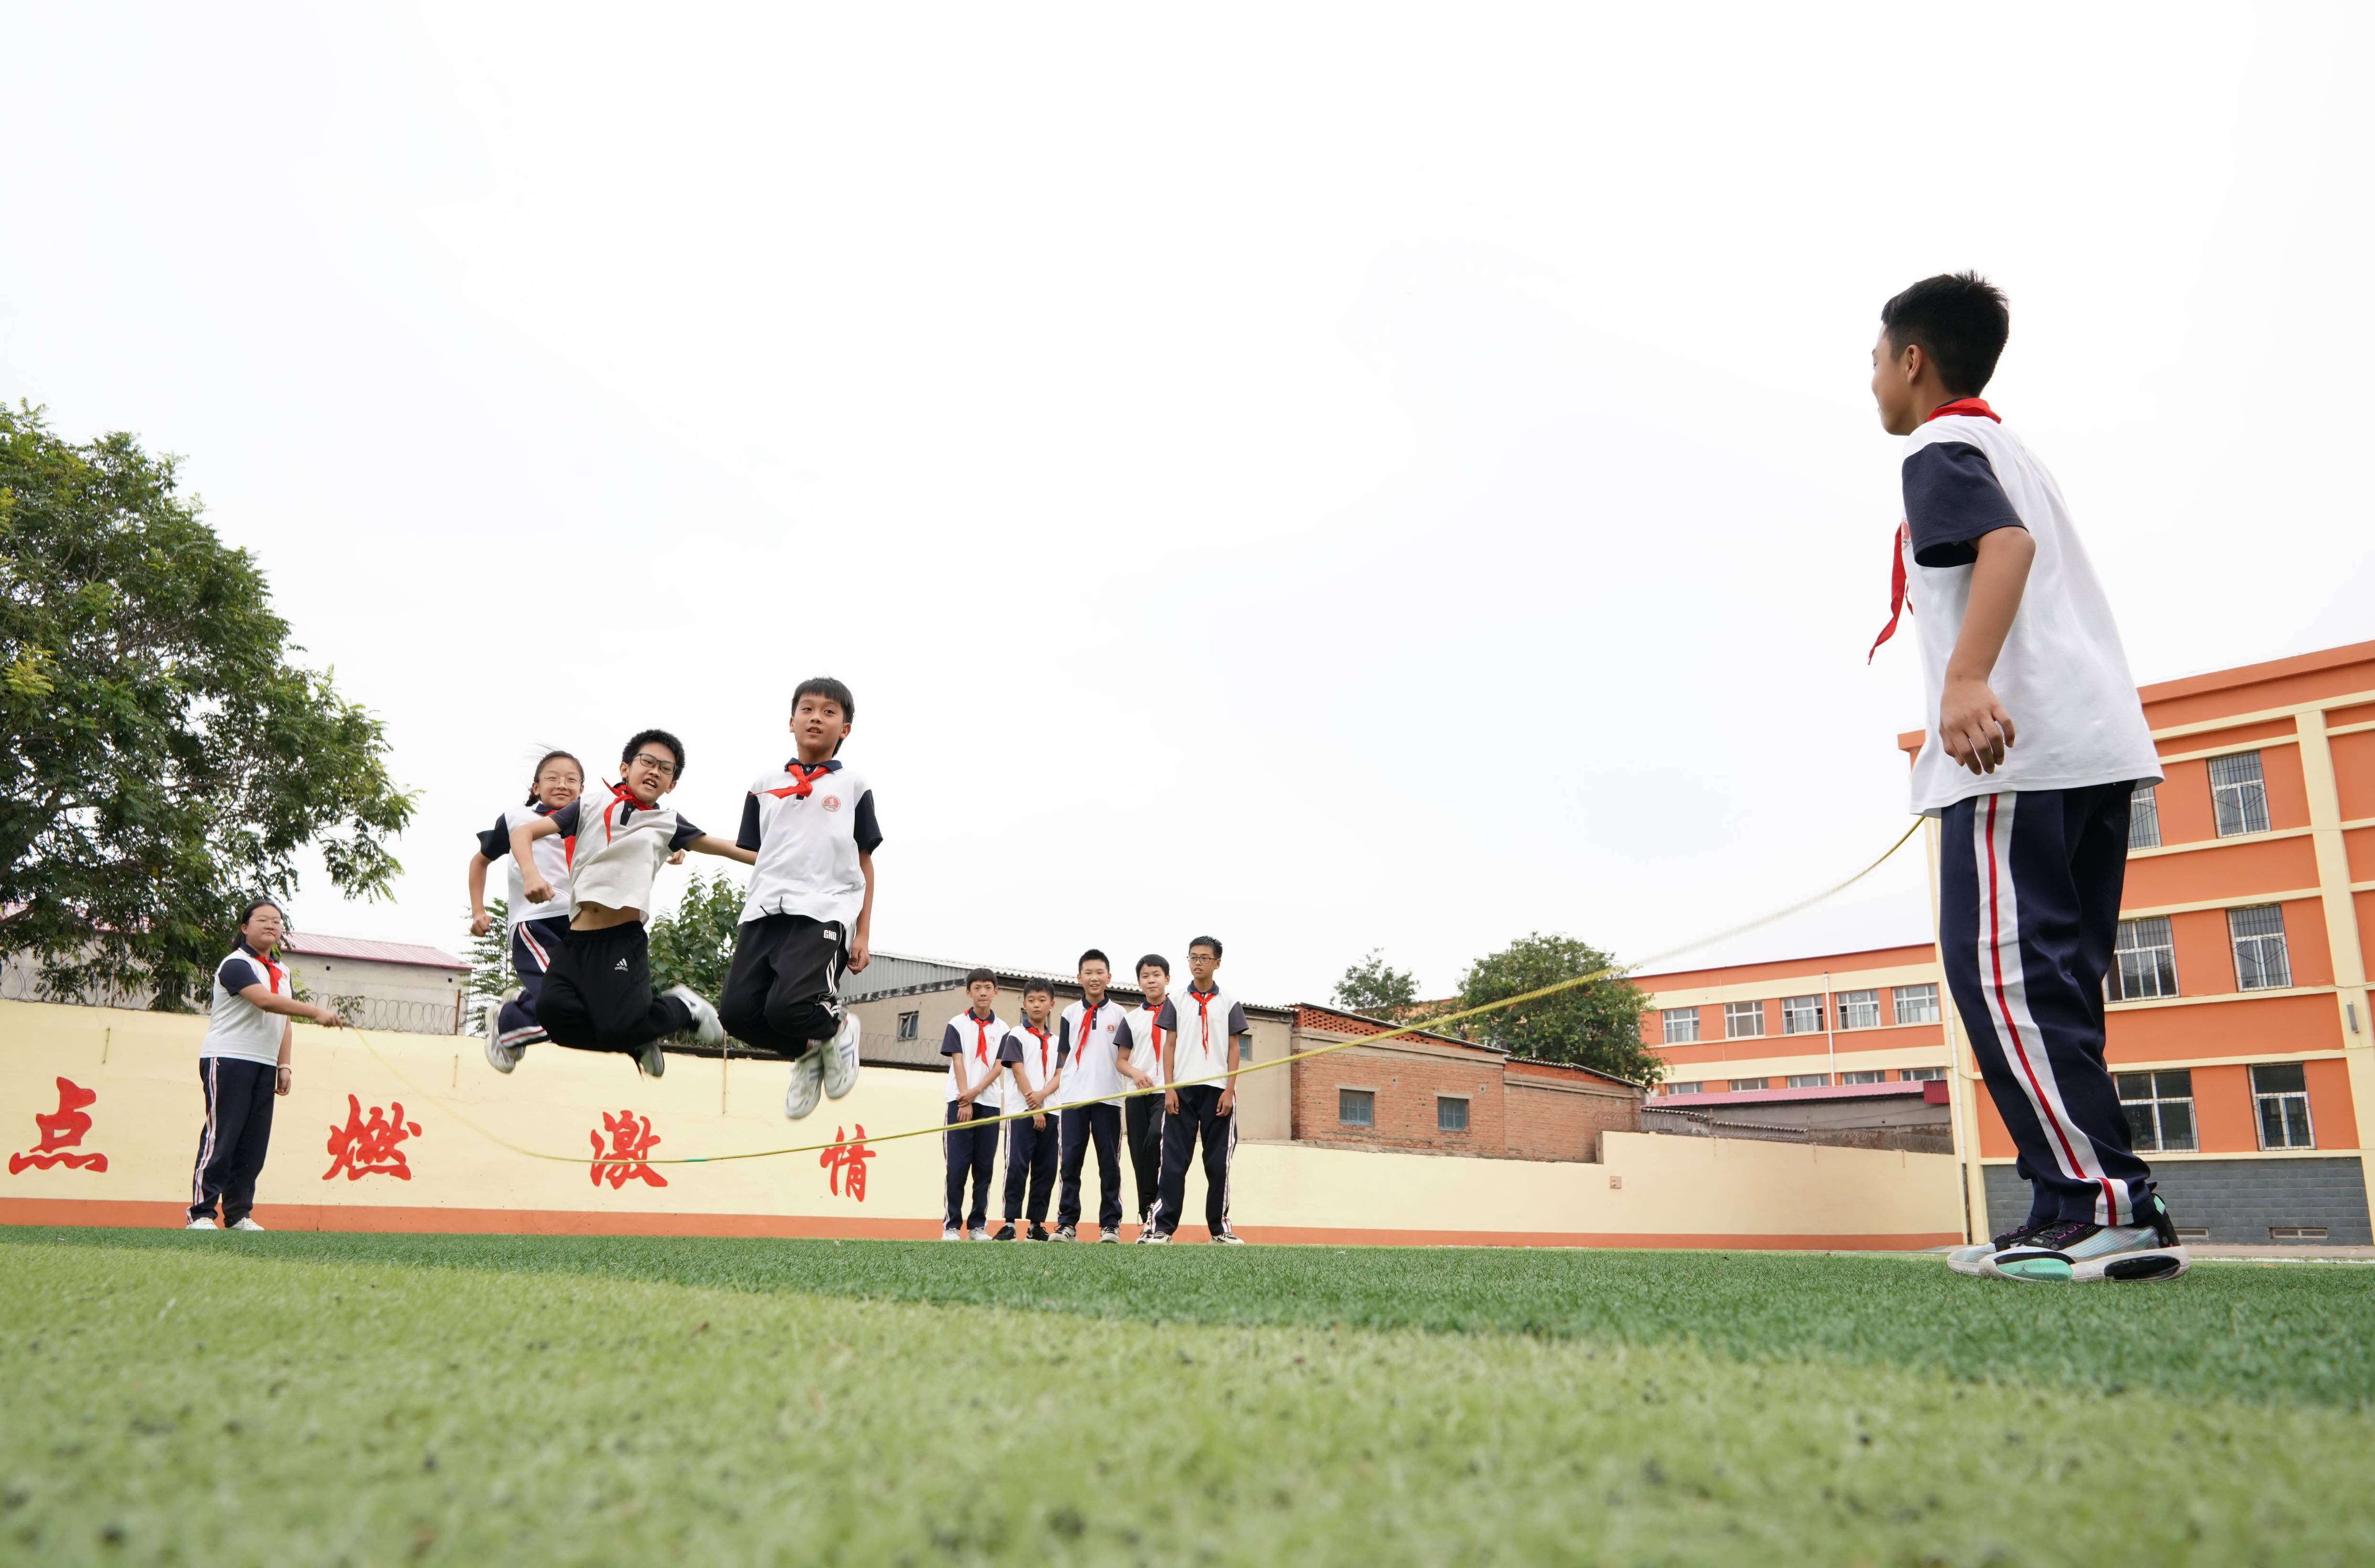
(2286, 1102)
(2262, 963)
(1922, 1075)
(2142, 1097)
(1748, 1085)
(1368, 1101)
(1857, 1009)
(1736, 1014)
(909, 1023)
(1864, 1074)
(1915, 1004)
(1810, 1081)
(2144, 818)
(2238, 801)
(1459, 1099)
(2143, 960)
(1696, 1086)
(1802, 1015)
(1680, 1025)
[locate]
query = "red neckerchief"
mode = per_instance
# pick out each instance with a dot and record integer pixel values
(1204, 1009)
(980, 1042)
(274, 969)
(1153, 1011)
(621, 796)
(1042, 1034)
(1973, 407)
(803, 780)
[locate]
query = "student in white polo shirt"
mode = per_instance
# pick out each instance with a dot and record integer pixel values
(1141, 1037)
(598, 995)
(1201, 1030)
(243, 1063)
(512, 1028)
(1091, 1111)
(1035, 1064)
(809, 914)
(972, 1042)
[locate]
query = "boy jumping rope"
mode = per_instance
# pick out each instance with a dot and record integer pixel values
(599, 994)
(809, 914)
(2036, 739)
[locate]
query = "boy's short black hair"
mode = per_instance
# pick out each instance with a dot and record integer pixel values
(1212, 942)
(974, 977)
(1044, 988)
(825, 686)
(1158, 960)
(1961, 321)
(1096, 953)
(644, 737)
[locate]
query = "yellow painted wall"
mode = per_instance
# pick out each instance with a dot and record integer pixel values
(1651, 1190)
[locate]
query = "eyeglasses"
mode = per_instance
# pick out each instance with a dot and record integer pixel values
(659, 765)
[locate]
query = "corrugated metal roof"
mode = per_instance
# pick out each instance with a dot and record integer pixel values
(313, 944)
(1775, 1096)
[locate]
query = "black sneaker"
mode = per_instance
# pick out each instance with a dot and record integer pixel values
(2086, 1253)
(1038, 1231)
(1005, 1233)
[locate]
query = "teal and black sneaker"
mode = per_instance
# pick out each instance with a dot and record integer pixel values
(1973, 1259)
(2080, 1254)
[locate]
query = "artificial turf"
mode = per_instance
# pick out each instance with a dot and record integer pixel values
(304, 1398)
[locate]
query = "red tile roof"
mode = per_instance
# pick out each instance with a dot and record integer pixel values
(313, 944)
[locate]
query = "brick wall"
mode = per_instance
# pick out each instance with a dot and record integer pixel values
(2236, 1200)
(1549, 1119)
(1405, 1083)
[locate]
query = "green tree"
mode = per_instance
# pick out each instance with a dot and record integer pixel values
(162, 757)
(1598, 1025)
(490, 961)
(695, 946)
(1376, 989)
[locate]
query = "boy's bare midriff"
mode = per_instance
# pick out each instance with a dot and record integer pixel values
(601, 917)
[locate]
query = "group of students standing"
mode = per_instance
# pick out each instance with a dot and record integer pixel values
(1165, 1073)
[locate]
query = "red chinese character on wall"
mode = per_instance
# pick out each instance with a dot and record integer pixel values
(622, 1160)
(62, 1133)
(848, 1160)
(369, 1148)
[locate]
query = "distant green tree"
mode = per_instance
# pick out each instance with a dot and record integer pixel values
(159, 755)
(695, 946)
(490, 962)
(1374, 988)
(1596, 1025)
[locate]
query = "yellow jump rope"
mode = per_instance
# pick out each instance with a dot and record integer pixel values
(937, 1128)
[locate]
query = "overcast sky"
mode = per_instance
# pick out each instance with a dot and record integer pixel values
(1332, 478)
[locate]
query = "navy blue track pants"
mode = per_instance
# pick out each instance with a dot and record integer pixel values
(2029, 915)
(535, 943)
(1030, 1158)
(972, 1150)
(1098, 1124)
(236, 1137)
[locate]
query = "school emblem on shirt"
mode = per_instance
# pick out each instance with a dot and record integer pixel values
(832, 803)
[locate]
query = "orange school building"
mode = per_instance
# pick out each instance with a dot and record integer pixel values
(2237, 1009)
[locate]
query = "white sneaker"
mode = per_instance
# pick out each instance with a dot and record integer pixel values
(950, 1234)
(500, 1057)
(199, 1224)
(1155, 1239)
(808, 1084)
(1973, 1259)
(979, 1233)
(245, 1222)
(840, 1057)
(1109, 1234)
(1227, 1239)
(705, 1027)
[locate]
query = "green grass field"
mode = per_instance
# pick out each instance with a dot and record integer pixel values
(390, 1399)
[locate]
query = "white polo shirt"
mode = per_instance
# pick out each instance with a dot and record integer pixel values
(1036, 1056)
(551, 857)
(1142, 1032)
(809, 826)
(239, 1029)
(620, 847)
(1205, 1022)
(975, 1042)
(1094, 1073)
(2062, 675)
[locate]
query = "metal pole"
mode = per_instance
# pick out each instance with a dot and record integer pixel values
(1830, 1035)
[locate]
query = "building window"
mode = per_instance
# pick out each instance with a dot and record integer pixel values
(1741, 1085)
(1859, 1009)
(1245, 1048)
(1917, 1003)
(2144, 819)
(2281, 1090)
(907, 1025)
(2261, 962)
(2239, 793)
(1685, 1088)
(1868, 1076)
(2148, 960)
(1810, 1081)
(1356, 1107)
(1923, 1075)
(1681, 1025)
(1450, 1115)
(1743, 1021)
(2161, 1110)
(1802, 1015)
